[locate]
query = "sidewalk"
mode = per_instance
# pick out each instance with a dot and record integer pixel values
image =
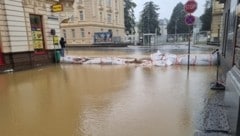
(205, 46)
(213, 118)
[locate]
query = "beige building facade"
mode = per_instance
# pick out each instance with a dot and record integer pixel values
(26, 33)
(217, 15)
(90, 22)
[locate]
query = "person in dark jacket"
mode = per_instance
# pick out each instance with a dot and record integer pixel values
(63, 45)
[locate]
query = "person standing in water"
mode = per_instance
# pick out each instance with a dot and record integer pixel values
(63, 45)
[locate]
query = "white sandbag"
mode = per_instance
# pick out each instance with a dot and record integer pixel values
(159, 63)
(146, 63)
(156, 59)
(118, 61)
(198, 59)
(106, 61)
(156, 56)
(93, 61)
(67, 59)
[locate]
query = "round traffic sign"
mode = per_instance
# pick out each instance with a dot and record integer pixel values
(190, 6)
(189, 19)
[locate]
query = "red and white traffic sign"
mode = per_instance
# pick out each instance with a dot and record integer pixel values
(190, 6)
(189, 19)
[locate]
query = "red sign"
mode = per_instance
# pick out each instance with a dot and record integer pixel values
(190, 6)
(189, 19)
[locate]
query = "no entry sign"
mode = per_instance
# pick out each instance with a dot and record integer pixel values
(189, 19)
(190, 6)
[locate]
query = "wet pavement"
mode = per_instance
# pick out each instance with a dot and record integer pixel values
(213, 118)
(106, 100)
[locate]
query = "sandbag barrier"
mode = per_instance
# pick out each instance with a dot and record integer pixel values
(155, 59)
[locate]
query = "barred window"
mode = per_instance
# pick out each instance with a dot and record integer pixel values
(73, 33)
(81, 15)
(82, 32)
(109, 18)
(64, 34)
(100, 2)
(101, 17)
(109, 3)
(80, 1)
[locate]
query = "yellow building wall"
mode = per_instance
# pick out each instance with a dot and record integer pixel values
(95, 19)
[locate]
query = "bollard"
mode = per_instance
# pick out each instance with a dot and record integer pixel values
(217, 85)
(57, 56)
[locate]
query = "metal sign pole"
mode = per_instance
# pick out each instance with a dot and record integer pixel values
(189, 42)
(190, 7)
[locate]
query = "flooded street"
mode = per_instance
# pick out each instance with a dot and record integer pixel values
(103, 100)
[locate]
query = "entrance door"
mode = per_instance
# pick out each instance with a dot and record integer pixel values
(37, 32)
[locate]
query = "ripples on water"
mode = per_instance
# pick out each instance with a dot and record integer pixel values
(98, 100)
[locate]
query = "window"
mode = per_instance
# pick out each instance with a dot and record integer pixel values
(72, 18)
(116, 19)
(73, 33)
(100, 2)
(109, 18)
(116, 4)
(109, 3)
(82, 32)
(80, 2)
(101, 17)
(64, 34)
(81, 15)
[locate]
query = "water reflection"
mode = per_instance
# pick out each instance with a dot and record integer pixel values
(98, 100)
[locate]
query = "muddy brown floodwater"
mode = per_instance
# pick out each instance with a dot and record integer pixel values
(103, 100)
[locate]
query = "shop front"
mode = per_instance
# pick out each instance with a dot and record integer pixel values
(29, 34)
(230, 64)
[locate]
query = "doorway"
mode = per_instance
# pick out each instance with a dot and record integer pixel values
(37, 33)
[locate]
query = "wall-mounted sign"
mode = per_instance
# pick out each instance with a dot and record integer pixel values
(55, 40)
(37, 39)
(102, 37)
(57, 8)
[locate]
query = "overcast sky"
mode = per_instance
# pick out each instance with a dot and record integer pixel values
(166, 7)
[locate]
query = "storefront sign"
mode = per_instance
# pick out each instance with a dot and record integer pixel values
(53, 17)
(55, 40)
(102, 37)
(57, 8)
(37, 39)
